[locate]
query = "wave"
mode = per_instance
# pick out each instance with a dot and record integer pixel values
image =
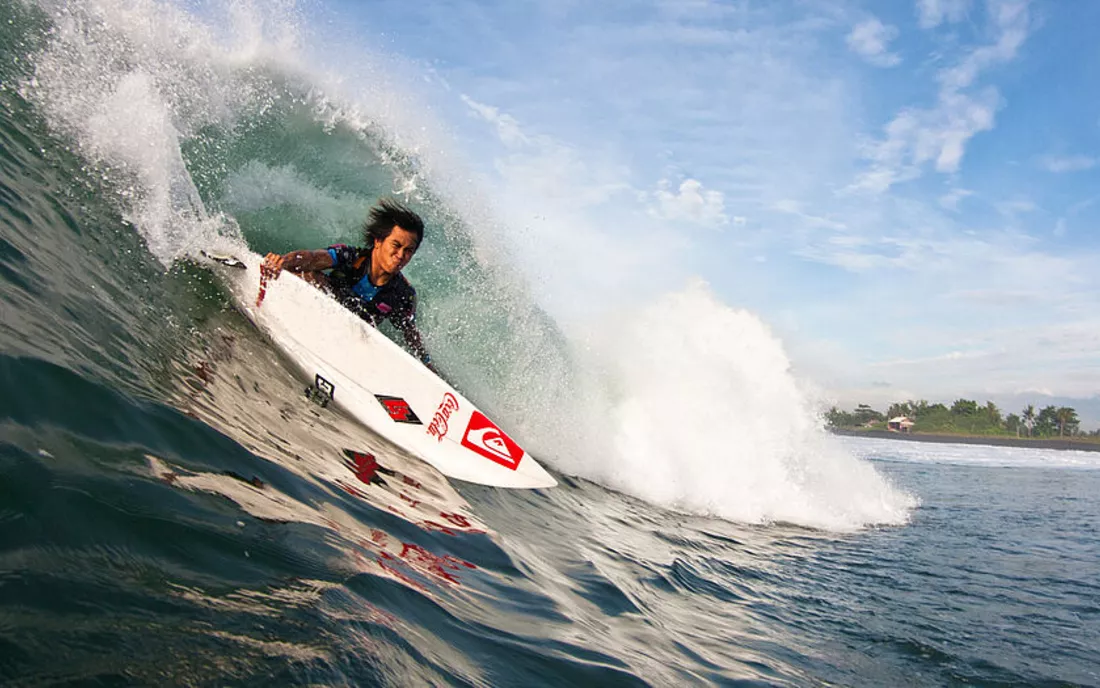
(222, 125)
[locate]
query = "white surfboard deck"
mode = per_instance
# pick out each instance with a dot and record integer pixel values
(379, 383)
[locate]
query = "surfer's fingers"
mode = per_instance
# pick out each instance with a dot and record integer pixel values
(273, 263)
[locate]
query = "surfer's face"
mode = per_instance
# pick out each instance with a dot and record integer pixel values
(395, 251)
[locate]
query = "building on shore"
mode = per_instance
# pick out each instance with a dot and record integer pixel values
(899, 424)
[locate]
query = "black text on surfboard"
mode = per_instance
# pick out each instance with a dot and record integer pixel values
(321, 391)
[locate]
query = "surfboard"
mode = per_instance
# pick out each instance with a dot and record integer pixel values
(353, 365)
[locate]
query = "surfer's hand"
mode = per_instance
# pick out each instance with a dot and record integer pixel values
(272, 265)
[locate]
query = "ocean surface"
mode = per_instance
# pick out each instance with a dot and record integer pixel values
(174, 511)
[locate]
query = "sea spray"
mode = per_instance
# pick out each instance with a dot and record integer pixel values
(159, 101)
(702, 413)
(127, 83)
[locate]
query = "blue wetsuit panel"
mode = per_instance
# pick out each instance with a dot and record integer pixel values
(365, 289)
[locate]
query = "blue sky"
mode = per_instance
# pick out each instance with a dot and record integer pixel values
(905, 191)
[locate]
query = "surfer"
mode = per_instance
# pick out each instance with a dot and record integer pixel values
(367, 280)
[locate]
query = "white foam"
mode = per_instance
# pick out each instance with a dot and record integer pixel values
(128, 81)
(970, 454)
(701, 413)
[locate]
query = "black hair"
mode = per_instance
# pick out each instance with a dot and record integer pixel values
(387, 215)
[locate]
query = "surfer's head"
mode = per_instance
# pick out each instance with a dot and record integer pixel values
(387, 215)
(394, 233)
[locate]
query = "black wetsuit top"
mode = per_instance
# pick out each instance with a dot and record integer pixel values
(395, 300)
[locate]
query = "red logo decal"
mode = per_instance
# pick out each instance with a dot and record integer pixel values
(487, 439)
(438, 427)
(363, 465)
(398, 409)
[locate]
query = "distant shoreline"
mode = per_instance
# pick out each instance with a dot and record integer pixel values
(1046, 443)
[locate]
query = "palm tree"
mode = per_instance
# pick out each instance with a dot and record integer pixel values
(1029, 418)
(1067, 420)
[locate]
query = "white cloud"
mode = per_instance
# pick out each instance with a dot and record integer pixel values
(858, 254)
(689, 203)
(507, 127)
(1081, 206)
(1064, 353)
(547, 167)
(954, 197)
(939, 135)
(1011, 20)
(1016, 207)
(870, 39)
(932, 13)
(1071, 163)
(792, 207)
(950, 356)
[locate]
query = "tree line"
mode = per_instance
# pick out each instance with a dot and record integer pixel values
(966, 416)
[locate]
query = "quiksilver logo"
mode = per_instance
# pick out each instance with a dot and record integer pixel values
(485, 438)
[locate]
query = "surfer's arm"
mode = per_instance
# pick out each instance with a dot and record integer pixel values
(298, 261)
